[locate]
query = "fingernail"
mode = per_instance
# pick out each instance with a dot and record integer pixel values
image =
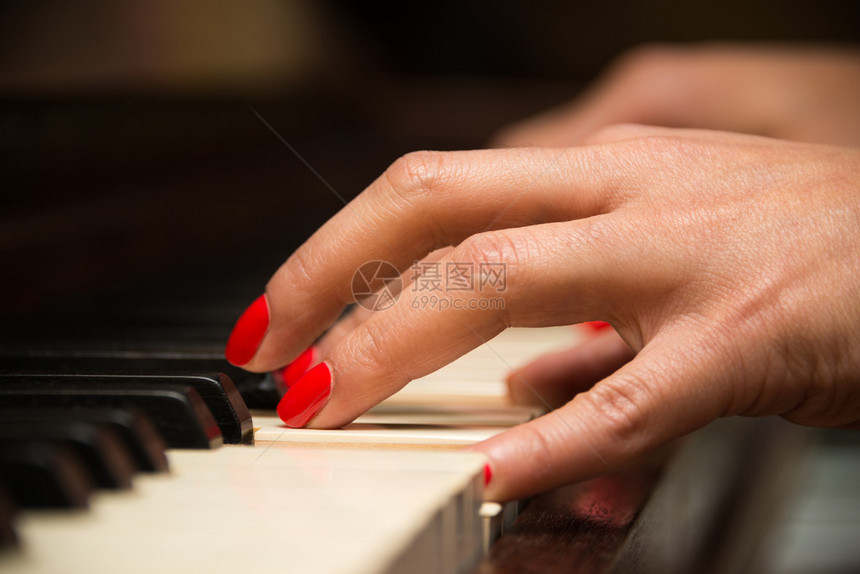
(596, 325)
(294, 371)
(306, 397)
(248, 332)
(488, 475)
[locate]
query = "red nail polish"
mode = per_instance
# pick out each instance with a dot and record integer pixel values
(306, 397)
(488, 474)
(248, 332)
(294, 371)
(596, 325)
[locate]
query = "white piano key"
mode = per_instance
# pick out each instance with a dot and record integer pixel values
(367, 435)
(287, 505)
(491, 514)
(264, 510)
(448, 414)
(482, 372)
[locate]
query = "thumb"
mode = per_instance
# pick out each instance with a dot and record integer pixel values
(661, 395)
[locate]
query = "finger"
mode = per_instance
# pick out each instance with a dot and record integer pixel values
(668, 390)
(643, 87)
(709, 86)
(552, 380)
(574, 124)
(424, 201)
(360, 313)
(416, 336)
(624, 131)
(309, 358)
(616, 133)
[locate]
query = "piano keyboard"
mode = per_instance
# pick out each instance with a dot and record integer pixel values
(391, 492)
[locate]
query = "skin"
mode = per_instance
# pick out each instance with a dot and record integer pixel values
(728, 264)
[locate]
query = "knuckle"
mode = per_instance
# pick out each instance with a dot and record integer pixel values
(302, 265)
(367, 349)
(624, 404)
(302, 273)
(298, 271)
(369, 354)
(419, 173)
(491, 247)
(493, 251)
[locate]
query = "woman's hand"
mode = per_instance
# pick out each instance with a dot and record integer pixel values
(802, 93)
(730, 264)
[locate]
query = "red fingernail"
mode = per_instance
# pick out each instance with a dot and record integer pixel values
(488, 474)
(596, 325)
(248, 332)
(306, 397)
(294, 371)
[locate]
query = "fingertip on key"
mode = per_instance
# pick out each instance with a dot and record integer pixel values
(248, 332)
(595, 325)
(301, 365)
(488, 475)
(306, 397)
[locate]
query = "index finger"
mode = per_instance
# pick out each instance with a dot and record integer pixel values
(424, 201)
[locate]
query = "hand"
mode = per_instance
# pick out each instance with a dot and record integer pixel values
(804, 93)
(729, 263)
(800, 93)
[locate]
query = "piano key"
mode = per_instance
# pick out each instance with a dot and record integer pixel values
(310, 497)
(422, 419)
(181, 416)
(492, 518)
(8, 510)
(278, 508)
(98, 445)
(361, 435)
(137, 432)
(216, 389)
(45, 475)
(259, 390)
(448, 414)
(478, 377)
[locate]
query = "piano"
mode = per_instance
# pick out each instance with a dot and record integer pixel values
(392, 492)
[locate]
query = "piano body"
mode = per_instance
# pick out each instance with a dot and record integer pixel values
(142, 211)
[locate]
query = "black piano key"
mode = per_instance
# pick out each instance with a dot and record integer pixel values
(137, 432)
(226, 404)
(259, 390)
(8, 511)
(98, 445)
(216, 389)
(181, 416)
(40, 474)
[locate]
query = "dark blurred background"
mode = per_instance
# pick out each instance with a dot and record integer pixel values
(129, 150)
